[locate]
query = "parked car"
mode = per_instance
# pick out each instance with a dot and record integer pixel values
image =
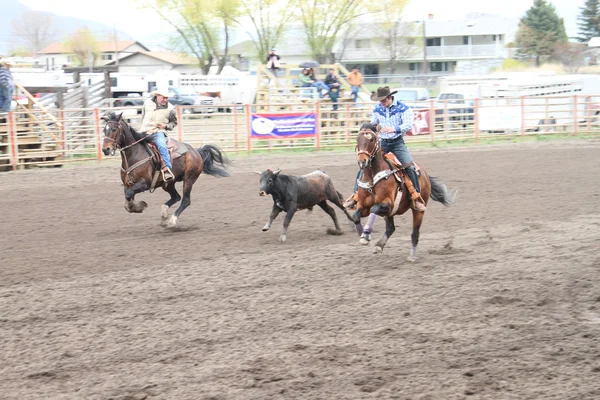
(177, 96)
(187, 97)
(130, 100)
(415, 98)
(454, 106)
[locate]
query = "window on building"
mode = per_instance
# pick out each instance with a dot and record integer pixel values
(465, 40)
(362, 43)
(438, 66)
(371, 69)
(434, 42)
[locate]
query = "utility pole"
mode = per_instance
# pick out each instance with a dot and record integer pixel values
(116, 45)
(424, 48)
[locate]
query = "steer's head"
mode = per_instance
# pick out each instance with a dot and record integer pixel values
(267, 181)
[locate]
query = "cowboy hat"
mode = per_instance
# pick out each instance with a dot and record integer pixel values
(160, 92)
(382, 93)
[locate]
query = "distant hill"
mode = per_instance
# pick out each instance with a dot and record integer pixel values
(62, 26)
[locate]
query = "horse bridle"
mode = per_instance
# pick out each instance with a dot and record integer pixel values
(117, 138)
(373, 153)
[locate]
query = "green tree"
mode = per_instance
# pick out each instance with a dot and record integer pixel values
(324, 21)
(84, 46)
(265, 22)
(202, 27)
(539, 31)
(570, 55)
(588, 21)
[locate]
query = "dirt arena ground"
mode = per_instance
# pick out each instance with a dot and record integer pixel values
(503, 303)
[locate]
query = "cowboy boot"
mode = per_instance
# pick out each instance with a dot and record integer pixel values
(350, 203)
(412, 184)
(167, 174)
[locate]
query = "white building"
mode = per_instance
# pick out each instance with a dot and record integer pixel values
(57, 55)
(148, 62)
(472, 45)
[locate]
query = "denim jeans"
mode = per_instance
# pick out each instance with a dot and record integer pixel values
(398, 147)
(320, 86)
(6, 95)
(355, 92)
(160, 140)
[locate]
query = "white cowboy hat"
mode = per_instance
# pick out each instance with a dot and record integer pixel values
(161, 92)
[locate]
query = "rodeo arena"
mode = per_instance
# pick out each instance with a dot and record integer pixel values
(117, 283)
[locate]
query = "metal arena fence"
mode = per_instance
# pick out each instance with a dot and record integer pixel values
(60, 136)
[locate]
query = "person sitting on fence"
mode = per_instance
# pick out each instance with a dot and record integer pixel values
(355, 79)
(317, 83)
(306, 80)
(333, 84)
(7, 86)
(273, 63)
(158, 117)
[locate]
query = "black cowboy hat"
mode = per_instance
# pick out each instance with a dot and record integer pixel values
(382, 93)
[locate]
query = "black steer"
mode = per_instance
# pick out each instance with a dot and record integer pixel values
(292, 193)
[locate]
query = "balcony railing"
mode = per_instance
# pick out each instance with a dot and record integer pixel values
(433, 52)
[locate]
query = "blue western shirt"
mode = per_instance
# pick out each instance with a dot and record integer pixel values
(398, 116)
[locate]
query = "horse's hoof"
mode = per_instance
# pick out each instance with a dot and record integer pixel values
(164, 212)
(282, 238)
(411, 258)
(172, 222)
(378, 249)
(365, 238)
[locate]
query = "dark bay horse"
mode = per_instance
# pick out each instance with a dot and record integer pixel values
(378, 190)
(140, 166)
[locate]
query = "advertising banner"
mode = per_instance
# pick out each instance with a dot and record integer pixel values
(284, 126)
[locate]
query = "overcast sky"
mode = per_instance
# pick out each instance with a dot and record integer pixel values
(133, 21)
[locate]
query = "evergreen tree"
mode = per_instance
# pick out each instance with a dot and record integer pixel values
(540, 30)
(589, 21)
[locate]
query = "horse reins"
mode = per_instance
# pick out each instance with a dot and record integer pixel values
(116, 146)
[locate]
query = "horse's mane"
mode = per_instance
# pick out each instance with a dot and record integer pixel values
(113, 116)
(368, 125)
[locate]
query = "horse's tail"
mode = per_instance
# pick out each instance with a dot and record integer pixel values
(441, 193)
(212, 155)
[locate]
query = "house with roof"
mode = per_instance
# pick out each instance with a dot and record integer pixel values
(57, 55)
(472, 45)
(149, 62)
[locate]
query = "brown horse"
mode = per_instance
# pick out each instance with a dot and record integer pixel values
(379, 189)
(140, 167)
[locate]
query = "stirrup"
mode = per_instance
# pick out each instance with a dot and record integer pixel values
(167, 174)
